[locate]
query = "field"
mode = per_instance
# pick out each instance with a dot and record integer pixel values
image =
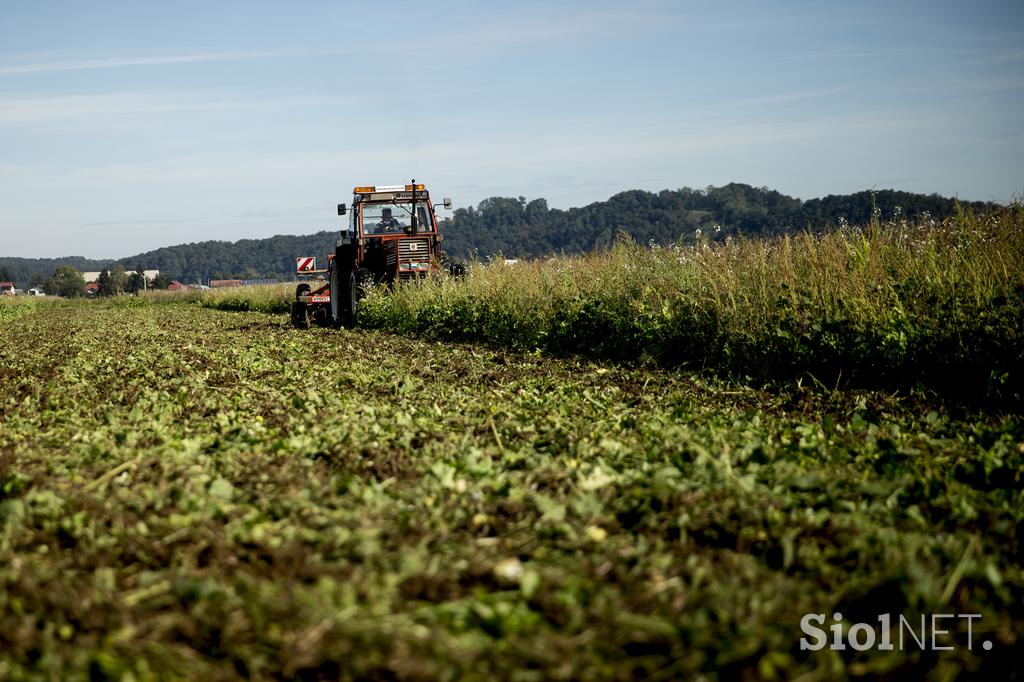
(204, 493)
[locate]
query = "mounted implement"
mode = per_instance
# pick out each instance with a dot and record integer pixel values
(392, 237)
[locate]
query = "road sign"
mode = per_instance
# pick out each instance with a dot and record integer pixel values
(305, 264)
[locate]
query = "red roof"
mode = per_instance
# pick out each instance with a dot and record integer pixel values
(6, 285)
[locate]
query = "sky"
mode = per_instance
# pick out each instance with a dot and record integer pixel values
(127, 126)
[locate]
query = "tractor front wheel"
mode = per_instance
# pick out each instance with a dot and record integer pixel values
(300, 315)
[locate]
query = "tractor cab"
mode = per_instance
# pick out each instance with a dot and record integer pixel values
(393, 233)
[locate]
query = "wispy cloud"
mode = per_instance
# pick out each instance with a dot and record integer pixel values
(993, 55)
(871, 53)
(122, 223)
(122, 61)
(518, 27)
(785, 97)
(1008, 56)
(118, 105)
(566, 25)
(55, 107)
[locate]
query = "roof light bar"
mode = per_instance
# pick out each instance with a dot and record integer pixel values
(370, 189)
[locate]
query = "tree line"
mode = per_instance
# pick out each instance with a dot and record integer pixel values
(190, 263)
(521, 228)
(516, 227)
(68, 282)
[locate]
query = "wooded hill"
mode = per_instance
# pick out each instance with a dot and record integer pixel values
(516, 227)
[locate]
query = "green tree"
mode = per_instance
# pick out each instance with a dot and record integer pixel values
(119, 279)
(113, 282)
(104, 282)
(67, 282)
(161, 281)
(137, 281)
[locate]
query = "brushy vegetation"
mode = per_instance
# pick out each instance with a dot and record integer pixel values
(262, 298)
(890, 304)
(197, 494)
(16, 306)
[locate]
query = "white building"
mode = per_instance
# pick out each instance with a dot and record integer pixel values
(95, 276)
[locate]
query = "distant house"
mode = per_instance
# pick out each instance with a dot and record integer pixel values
(92, 288)
(7, 289)
(217, 283)
(36, 291)
(177, 286)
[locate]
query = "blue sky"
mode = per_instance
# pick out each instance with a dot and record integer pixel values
(127, 126)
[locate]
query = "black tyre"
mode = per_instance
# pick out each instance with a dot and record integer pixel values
(300, 315)
(302, 290)
(357, 283)
(341, 295)
(322, 315)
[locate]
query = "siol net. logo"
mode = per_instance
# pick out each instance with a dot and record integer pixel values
(934, 632)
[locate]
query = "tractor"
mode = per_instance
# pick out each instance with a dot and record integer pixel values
(392, 238)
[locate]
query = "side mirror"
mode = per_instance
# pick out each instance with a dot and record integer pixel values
(341, 209)
(447, 203)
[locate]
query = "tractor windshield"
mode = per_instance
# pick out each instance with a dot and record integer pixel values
(394, 217)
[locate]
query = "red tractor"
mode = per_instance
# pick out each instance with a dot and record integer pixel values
(392, 237)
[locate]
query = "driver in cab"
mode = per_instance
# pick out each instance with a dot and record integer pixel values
(387, 222)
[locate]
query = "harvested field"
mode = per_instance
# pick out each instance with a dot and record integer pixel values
(197, 493)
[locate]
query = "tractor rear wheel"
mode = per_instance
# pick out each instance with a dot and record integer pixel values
(353, 295)
(340, 296)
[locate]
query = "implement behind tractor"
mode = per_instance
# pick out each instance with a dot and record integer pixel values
(392, 237)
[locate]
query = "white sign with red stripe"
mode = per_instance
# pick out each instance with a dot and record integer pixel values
(305, 264)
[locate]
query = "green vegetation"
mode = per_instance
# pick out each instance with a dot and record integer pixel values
(32, 272)
(639, 463)
(262, 298)
(516, 227)
(115, 281)
(66, 282)
(12, 307)
(521, 228)
(891, 305)
(195, 493)
(196, 262)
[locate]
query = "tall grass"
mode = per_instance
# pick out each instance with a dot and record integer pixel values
(890, 303)
(263, 298)
(16, 306)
